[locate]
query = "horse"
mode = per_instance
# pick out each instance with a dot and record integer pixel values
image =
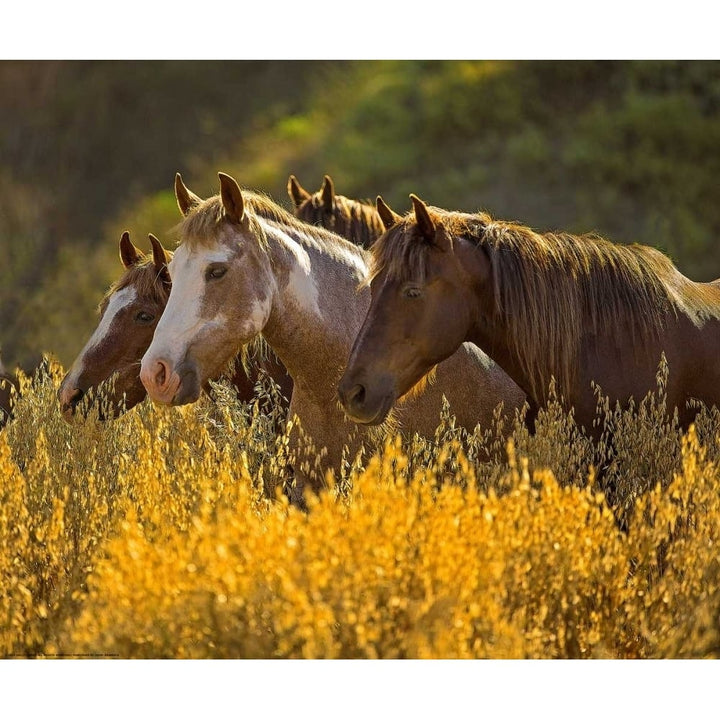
(246, 267)
(357, 221)
(593, 315)
(8, 394)
(129, 313)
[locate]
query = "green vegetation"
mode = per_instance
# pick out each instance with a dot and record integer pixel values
(626, 149)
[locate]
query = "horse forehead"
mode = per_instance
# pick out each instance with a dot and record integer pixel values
(384, 281)
(187, 257)
(119, 300)
(385, 286)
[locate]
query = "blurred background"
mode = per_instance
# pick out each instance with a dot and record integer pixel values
(630, 150)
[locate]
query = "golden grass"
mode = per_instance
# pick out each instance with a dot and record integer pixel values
(165, 534)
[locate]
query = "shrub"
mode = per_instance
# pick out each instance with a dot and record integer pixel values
(166, 534)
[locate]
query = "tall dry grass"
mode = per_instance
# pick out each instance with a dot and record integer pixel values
(166, 533)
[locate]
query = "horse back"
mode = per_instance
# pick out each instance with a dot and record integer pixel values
(630, 368)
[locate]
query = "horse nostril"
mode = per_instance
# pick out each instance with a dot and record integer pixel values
(162, 373)
(356, 395)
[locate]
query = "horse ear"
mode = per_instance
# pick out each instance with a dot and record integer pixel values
(232, 198)
(327, 192)
(427, 228)
(387, 215)
(129, 254)
(161, 258)
(186, 199)
(297, 192)
(424, 222)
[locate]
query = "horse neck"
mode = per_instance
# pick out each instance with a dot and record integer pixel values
(494, 340)
(317, 309)
(487, 329)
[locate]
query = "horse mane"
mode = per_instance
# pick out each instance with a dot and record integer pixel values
(143, 277)
(356, 220)
(206, 222)
(551, 289)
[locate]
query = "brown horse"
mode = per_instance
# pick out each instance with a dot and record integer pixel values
(576, 309)
(245, 267)
(8, 394)
(129, 314)
(357, 221)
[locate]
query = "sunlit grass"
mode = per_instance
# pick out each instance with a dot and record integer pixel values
(166, 534)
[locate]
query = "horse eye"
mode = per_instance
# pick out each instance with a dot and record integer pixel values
(144, 318)
(412, 291)
(215, 272)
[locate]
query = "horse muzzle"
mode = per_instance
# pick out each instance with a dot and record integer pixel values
(366, 403)
(170, 386)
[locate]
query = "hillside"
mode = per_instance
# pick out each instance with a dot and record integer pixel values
(626, 149)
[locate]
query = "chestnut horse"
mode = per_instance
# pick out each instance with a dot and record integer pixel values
(128, 316)
(576, 309)
(245, 266)
(357, 221)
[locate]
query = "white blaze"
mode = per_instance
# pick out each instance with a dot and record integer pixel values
(181, 319)
(116, 302)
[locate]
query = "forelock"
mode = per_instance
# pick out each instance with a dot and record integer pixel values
(399, 253)
(145, 279)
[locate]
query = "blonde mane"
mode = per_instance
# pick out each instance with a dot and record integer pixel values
(206, 222)
(551, 289)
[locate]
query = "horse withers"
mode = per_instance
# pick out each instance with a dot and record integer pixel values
(578, 309)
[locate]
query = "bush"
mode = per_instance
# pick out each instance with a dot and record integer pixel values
(166, 534)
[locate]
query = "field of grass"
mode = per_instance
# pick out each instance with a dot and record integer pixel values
(165, 534)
